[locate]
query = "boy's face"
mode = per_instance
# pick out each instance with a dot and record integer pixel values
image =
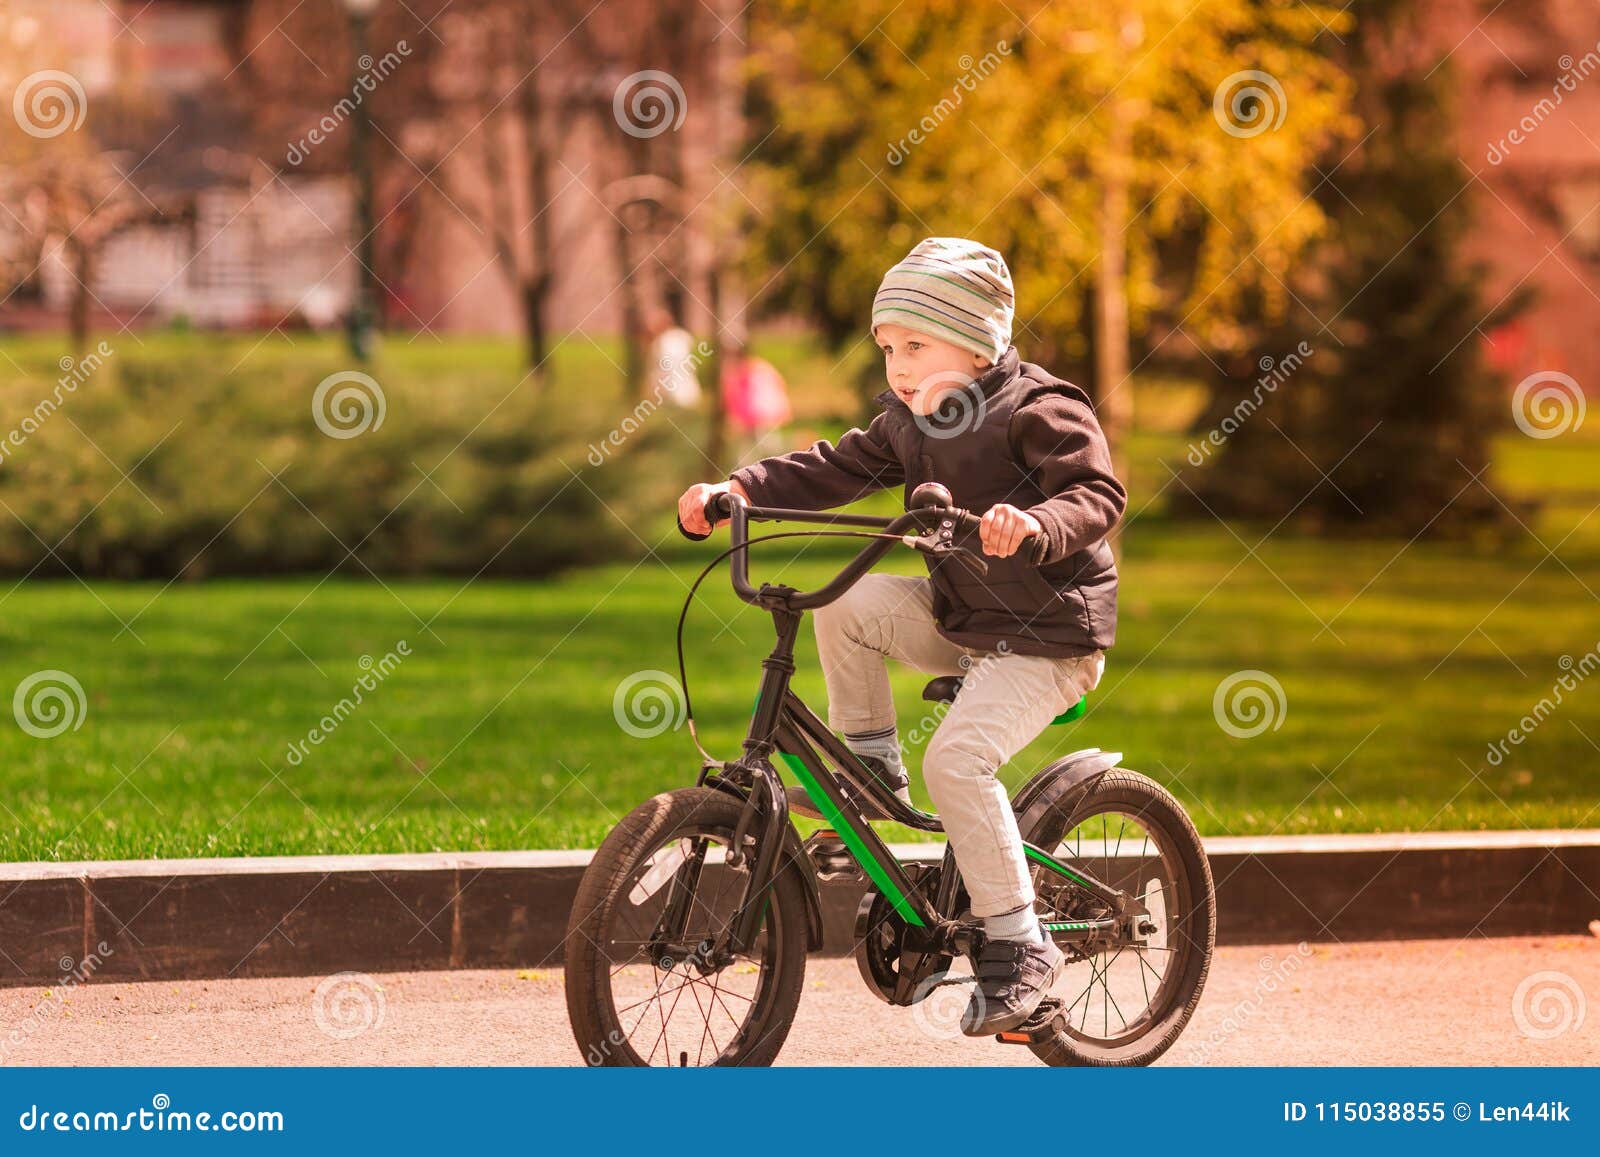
(921, 369)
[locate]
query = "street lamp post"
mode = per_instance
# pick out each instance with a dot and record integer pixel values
(363, 311)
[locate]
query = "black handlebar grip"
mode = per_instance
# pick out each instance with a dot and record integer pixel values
(1033, 547)
(717, 508)
(1036, 545)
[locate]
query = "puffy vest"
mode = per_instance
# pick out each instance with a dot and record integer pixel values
(1060, 609)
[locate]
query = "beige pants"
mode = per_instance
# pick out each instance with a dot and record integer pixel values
(1005, 701)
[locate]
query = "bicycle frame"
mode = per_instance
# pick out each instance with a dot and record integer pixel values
(783, 725)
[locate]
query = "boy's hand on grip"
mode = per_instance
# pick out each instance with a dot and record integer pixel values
(692, 520)
(1003, 529)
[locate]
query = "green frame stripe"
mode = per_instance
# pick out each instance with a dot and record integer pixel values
(1040, 856)
(858, 847)
(852, 839)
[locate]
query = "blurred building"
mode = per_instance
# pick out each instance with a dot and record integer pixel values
(223, 243)
(249, 240)
(1528, 99)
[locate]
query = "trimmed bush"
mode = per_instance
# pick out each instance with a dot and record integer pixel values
(182, 459)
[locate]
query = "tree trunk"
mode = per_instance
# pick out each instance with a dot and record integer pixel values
(727, 297)
(82, 260)
(541, 215)
(533, 329)
(1113, 390)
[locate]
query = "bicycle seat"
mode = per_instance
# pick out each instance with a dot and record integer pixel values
(944, 689)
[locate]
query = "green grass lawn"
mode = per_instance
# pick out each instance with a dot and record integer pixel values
(497, 731)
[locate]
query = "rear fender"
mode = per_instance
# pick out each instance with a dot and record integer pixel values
(1057, 791)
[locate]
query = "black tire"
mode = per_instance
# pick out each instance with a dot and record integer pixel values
(608, 904)
(1192, 932)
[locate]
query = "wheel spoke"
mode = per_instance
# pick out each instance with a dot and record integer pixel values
(646, 1007)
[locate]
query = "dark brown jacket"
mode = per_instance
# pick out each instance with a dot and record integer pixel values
(1017, 435)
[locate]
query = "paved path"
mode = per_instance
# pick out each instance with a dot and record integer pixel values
(1412, 1002)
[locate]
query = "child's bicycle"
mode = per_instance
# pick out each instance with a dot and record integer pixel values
(689, 934)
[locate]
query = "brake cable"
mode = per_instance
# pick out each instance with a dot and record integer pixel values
(683, 675)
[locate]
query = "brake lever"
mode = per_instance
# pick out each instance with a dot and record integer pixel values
(936, 543)
(967, 557)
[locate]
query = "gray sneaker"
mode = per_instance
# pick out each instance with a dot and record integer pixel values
(1013, 977)
(800, 801)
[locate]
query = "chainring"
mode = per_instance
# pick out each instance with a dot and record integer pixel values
(893, 971)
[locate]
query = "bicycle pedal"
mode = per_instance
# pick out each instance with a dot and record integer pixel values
(831, 858)
(1048, 1021)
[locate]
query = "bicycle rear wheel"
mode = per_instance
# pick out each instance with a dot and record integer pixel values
(1127, 1004)
(635, 1000)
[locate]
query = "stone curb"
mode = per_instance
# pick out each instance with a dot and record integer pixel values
(314, 915)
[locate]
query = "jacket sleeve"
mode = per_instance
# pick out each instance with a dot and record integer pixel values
(1059, 440)
(825, 475)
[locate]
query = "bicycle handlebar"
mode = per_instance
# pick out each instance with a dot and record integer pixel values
(930, 507)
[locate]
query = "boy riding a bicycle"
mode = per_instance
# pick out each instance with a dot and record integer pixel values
(1023, 448)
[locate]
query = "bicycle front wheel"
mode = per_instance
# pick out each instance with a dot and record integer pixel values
(636, 999)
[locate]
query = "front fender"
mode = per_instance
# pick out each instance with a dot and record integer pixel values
(791, 858)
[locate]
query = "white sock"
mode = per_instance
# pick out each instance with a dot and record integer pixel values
(883, 744)
(1019, 924)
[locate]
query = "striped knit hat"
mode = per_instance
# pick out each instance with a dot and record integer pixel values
(956, 290)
